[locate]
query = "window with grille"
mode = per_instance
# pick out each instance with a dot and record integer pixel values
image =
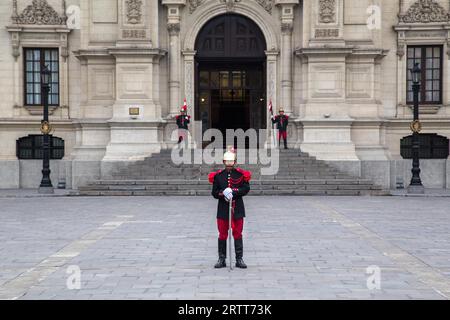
(432, 146)
(35, 61)
(30, 148)
(430, 61)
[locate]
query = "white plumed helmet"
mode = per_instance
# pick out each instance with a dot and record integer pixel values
(230, 155)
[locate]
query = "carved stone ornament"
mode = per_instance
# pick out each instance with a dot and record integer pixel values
(173, 28)
(287, 28)
(39, 13)
(401, 50)
(326, 33)
(266, 4)
(194, 4)
(327, 11)
(134, 11)
(425, 11)
(230, 4)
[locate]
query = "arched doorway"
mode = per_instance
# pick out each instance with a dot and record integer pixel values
(230, 76)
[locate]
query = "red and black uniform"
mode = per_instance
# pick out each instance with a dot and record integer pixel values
(182, 122)
(282, 122)
(238, 180)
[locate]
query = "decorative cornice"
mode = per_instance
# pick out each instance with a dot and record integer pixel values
(327, 11)
(425, 11)
(134, 11)
(39, 13)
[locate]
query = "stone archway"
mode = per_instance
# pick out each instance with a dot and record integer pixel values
(209, 11)
(230, 77)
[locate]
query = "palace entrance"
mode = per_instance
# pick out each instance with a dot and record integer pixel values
(230, 74)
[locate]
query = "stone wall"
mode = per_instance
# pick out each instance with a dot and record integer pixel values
(342, 82)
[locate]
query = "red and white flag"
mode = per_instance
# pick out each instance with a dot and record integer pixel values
(270, 107)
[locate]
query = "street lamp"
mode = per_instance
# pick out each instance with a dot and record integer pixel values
(46, 186)
(416, 185)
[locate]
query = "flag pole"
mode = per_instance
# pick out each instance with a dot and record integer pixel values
(273, 125)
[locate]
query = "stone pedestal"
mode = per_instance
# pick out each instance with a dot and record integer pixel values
(136, 120)
(328, 140)
(133, 140)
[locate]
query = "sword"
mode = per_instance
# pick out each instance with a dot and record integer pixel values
(229, 233)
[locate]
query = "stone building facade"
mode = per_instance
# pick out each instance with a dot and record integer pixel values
(122, 68)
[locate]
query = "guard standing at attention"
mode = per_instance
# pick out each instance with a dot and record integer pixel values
(183, 120)
(282, 122)
(230, 184)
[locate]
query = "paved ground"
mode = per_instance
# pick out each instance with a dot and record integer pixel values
(164, 248)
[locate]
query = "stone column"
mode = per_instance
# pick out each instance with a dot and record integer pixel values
(189, 89)
(272, 72)
(174, 66)
(287, 54)
(173, 26)
(286, 67)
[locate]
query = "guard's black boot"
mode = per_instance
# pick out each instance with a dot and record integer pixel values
(222, 255)
(285, 144)
(239, 248)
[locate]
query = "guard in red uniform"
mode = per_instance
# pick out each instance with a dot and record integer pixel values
(183, 121)
(230, 184)
(282, 122)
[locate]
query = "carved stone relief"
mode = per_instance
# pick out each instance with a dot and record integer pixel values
(425, 11)
(266, 4)
(230, 4)
(173, 28)
(133, 34)
(134, 11)
(327, 11)
(326, 33)
(287, 28)
(194, 4)
(39, 13)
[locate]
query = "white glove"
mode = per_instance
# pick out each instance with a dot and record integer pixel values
(187, 118)
(228, 194)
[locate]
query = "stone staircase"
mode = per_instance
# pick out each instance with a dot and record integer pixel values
(299, 174)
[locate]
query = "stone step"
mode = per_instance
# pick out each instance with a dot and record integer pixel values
(299, 174)
(182, 186)
(187, 175)
(177, 177)
(253, 182)
(207, 193)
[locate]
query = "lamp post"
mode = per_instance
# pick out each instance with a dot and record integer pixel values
(46, 186)
(416, 186)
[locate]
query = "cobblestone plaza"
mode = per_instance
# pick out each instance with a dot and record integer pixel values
(295, 248)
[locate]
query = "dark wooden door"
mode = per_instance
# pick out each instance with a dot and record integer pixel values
(230, 37)
(230, 74)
